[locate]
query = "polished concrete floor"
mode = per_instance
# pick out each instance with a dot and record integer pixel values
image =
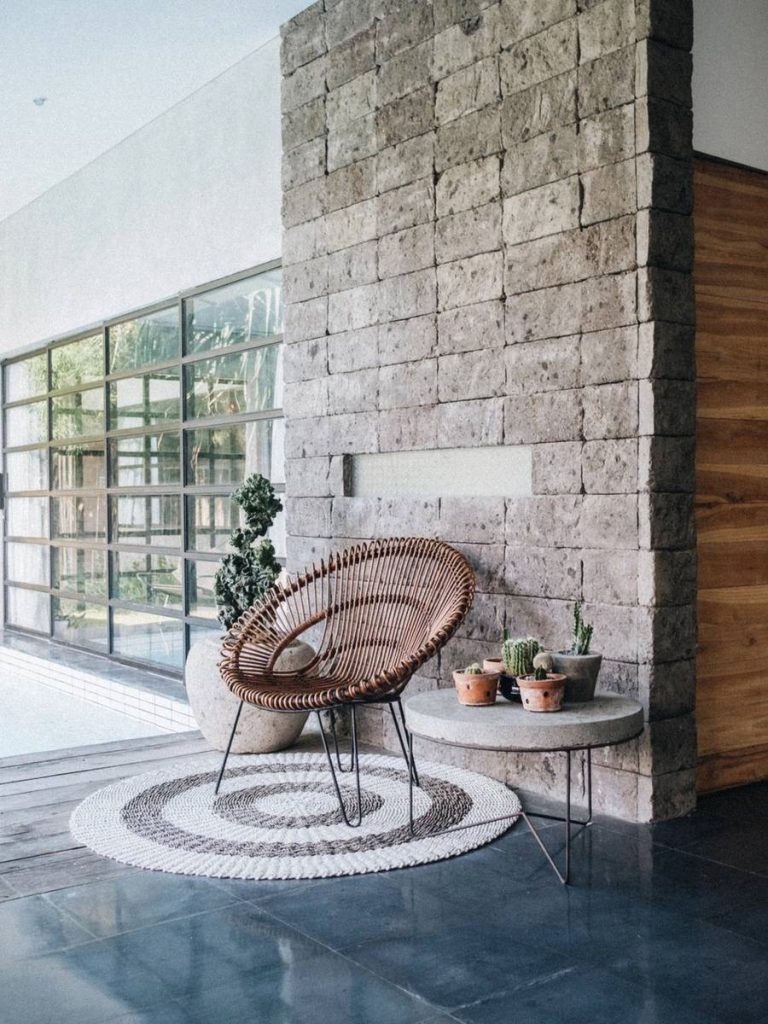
(663, 924)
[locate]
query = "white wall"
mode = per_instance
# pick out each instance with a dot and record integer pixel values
(730, 80)
(191, 197)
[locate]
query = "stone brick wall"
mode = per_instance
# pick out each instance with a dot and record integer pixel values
(488, 242)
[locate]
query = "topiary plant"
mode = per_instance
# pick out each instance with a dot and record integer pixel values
(582, 633)
(250, 570)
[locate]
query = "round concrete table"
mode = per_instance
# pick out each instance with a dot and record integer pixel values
(602, 722)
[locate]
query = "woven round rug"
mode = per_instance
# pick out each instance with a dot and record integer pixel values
(276, 816)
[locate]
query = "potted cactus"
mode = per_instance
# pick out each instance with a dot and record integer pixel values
(542, 690)
(474, 686)
(517, 658)
(580, 666)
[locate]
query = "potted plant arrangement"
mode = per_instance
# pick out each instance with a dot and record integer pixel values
(542, 690)
(580, 667)
(245, 575)
(474, 687)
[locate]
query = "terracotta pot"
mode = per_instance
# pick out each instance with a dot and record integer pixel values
(477, 689)
(542, 694)
(581, 672)
(493, 665)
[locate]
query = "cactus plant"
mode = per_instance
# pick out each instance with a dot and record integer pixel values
(473, 670)
(518, 655)
(540, 672)
(582, 633)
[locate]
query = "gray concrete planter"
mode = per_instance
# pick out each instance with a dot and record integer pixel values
(214, 706)
(581, 671)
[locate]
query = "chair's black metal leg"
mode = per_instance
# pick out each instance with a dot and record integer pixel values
(402, 738)
(355, 763)
(342, 769)
(411, 773)
(229, 747)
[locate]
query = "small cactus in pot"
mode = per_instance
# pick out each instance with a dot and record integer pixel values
(474, 687)
(517, 658)
(580, 666)
(542, 691)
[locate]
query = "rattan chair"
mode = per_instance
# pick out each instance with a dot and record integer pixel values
(379, 612)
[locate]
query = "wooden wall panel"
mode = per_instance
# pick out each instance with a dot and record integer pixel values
(731, 275)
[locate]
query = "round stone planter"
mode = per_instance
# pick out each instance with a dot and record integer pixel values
(215, 707)
(581, 671)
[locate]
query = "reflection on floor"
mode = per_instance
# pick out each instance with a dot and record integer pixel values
(665, 924)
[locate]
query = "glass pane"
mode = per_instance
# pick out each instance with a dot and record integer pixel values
(146, 460)
(148, 637)
(26, 378)
(211, 519)
(27, 563)
(239, 312)
(78, 466)
(78, 622)
(201, 632)
(242, 382)
(29, 609)
(201, 579)
(147, 340)
(79, 414)
(27, 517)
(148, 579)
(26, 424)
(80, 516)
(147, 520)
(226, 455)
(27, 471)
(77, 362)
(141, 401)
(81, 570)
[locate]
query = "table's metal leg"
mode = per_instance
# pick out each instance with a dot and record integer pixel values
(589, 786)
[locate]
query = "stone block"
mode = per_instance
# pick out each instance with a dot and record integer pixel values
(308, 517)
(666, 520)
(402, 27)
(407, 295)
(664, 128)
(353, 350)
(405, 73)
(304, 163)
(406, 162)
(607, 82)
(354, 308)
(667, 577)
(351, 58)
(520, 20)
(537, 366)
(305, 360)
(472, 521)
(665, 240)
(666, 350)
(313, 478)
(488, 562)
(401, 386)
(539, 58)
(611, 411)
(353, 433)
(353, 392)
(475, 279)
(541, 160)
(606, 27)
(616, 630)
(547, 313)
(609, 356)
(668, 407)
(459, 45)
(609, 521)
(405, 118)
(667, 633)
(670, 22)
(405, 207)
(610, 466)
(467, 90)
(530, 419)
(546, 618)
(465, 186)
(540, 522)
(543, 572)
(479, 326)
(609, 192)
(468, 233)
(467, 375)
(307, 280)
(607, 138)
(307, 438)
(348, 268)
(458, 12)
(664, 71)
(351, 101)
(619, 677)
(304, 242)
(303, 38)
(468, 138)
(608, 302)
(305, 320)
(305, 202)
(306, 398)
(351, 142)
(668, 688)
(306, 83)
(347, 19)
(351, 184)
(666, 464)
(304, 123)
(406, 341)
(385, 517)
(408, 429)
(610, 577)
(470, 424)
(351, 225)
(406, 251)
(557, 468)
(664, 183)
(660, 797)
(541, 211)
(665, 295)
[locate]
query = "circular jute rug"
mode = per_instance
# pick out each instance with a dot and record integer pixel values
(276, 816)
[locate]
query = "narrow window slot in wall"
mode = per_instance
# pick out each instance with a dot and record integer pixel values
(441, 473)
